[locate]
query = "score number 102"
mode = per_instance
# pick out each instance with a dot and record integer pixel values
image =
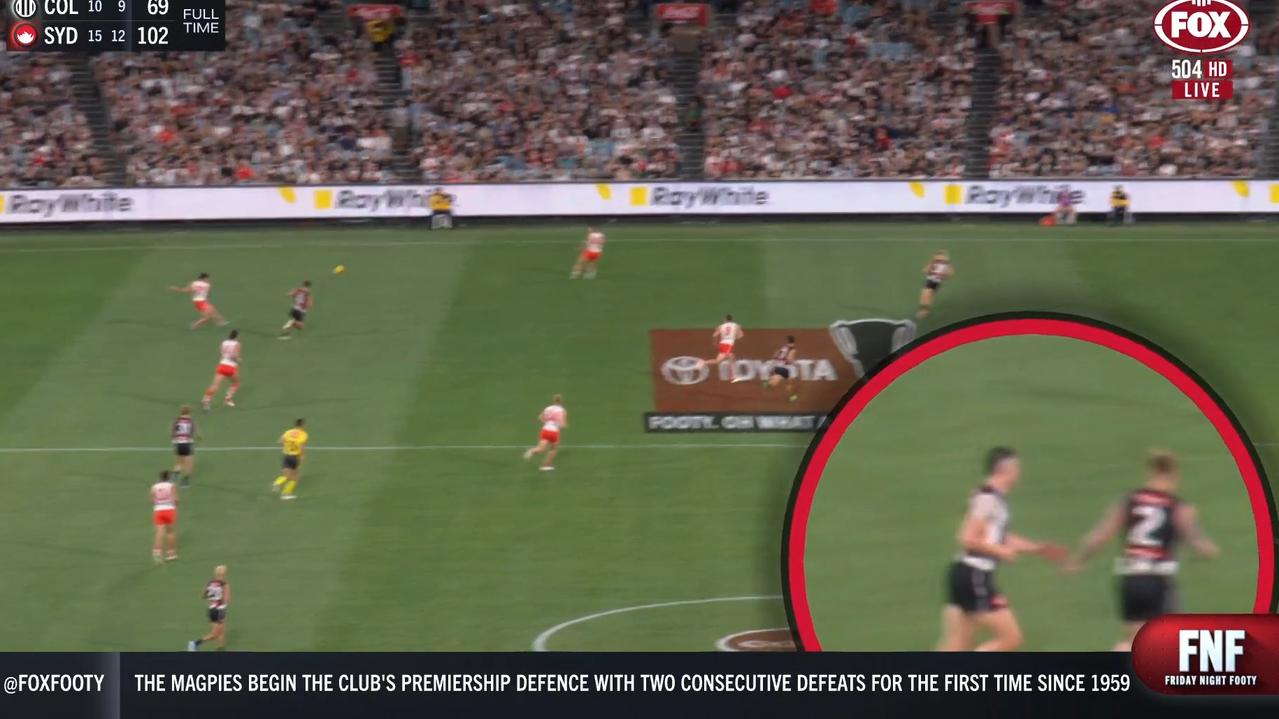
(154, 34)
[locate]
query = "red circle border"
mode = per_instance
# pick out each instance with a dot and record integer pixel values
(1013, 325)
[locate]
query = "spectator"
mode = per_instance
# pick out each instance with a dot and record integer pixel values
(44, 140)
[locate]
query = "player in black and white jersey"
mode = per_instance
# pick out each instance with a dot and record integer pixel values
(973, 601)
(1152, 520)
(217, 594)
(938, 270)
(784, 368)
(184, 435)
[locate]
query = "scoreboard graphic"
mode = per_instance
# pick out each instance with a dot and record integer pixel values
(93, 26)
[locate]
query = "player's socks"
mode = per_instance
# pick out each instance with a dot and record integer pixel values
(289, 487)
(590, 275)
(528, 454)
(155, 555)
(279, 482)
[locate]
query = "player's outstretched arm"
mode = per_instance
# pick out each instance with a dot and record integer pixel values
(183, 290)
(1051, 551)
(1186, 519)
(1112, 521)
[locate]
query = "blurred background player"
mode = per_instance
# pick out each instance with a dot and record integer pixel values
(984, 541)
(589, 257)
(937, 271)
(1120, 212)
(441, 206)
(1066, 213)
(783, 368)
(1153, 519)
(554, 418)
(726, 336)
(293, 445)
(300, 297)
(228, 367)
(164, 515)
(184, 434)
(199, 289)
(217, 594)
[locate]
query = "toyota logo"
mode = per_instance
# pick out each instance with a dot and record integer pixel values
(685, 370)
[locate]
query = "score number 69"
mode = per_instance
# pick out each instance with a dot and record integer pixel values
(158, 7)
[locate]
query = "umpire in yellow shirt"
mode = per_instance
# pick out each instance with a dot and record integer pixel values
(1119, 206)
(441, 205)
(293, 443)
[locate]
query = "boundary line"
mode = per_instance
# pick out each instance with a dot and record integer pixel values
(539, 643)
(410, 447)
(434, 447)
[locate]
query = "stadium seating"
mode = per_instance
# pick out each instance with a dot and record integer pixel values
(1061, 114)
(44, 140)
(869, 90)
(493, 90)
(288, 102)
(522, 91)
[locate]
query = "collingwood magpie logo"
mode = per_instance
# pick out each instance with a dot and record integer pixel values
(866, 343)
(23, 9)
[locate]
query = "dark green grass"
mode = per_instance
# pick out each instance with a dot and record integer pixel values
(886, 512)
(459, 339)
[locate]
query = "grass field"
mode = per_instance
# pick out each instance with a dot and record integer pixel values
(418, 527)
(1082, 416)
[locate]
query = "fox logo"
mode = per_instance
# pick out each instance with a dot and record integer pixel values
(1201, 27)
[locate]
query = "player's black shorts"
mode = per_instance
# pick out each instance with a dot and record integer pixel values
(933, 285)
(973, 590)
(297, 315)
(291, 461)
(1143, 597)
(783, 372)
(217, 615)
(184, 449)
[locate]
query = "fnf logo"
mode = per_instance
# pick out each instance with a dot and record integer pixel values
(1201, 27)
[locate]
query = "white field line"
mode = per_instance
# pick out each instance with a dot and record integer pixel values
(540, 643)
(467, 242)
(412, 447)
(434, 447)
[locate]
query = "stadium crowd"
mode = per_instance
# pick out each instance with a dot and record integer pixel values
(44, 140)
(1060, 114)
(529, 91)
(290, 103)
(557, 89)
(863, 90)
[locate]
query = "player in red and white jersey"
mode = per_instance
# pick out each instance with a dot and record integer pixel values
(199, 289)
(726, 337)
(164, 513)
(229, 368)
(184, 434)
(554, 418)
(300, 303)
(592, 249)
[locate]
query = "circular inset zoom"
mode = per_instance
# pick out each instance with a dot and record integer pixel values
(1027, 481)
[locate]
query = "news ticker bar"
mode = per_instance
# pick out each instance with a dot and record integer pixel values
(1204, 655)
(93, 26)
(249, 685)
